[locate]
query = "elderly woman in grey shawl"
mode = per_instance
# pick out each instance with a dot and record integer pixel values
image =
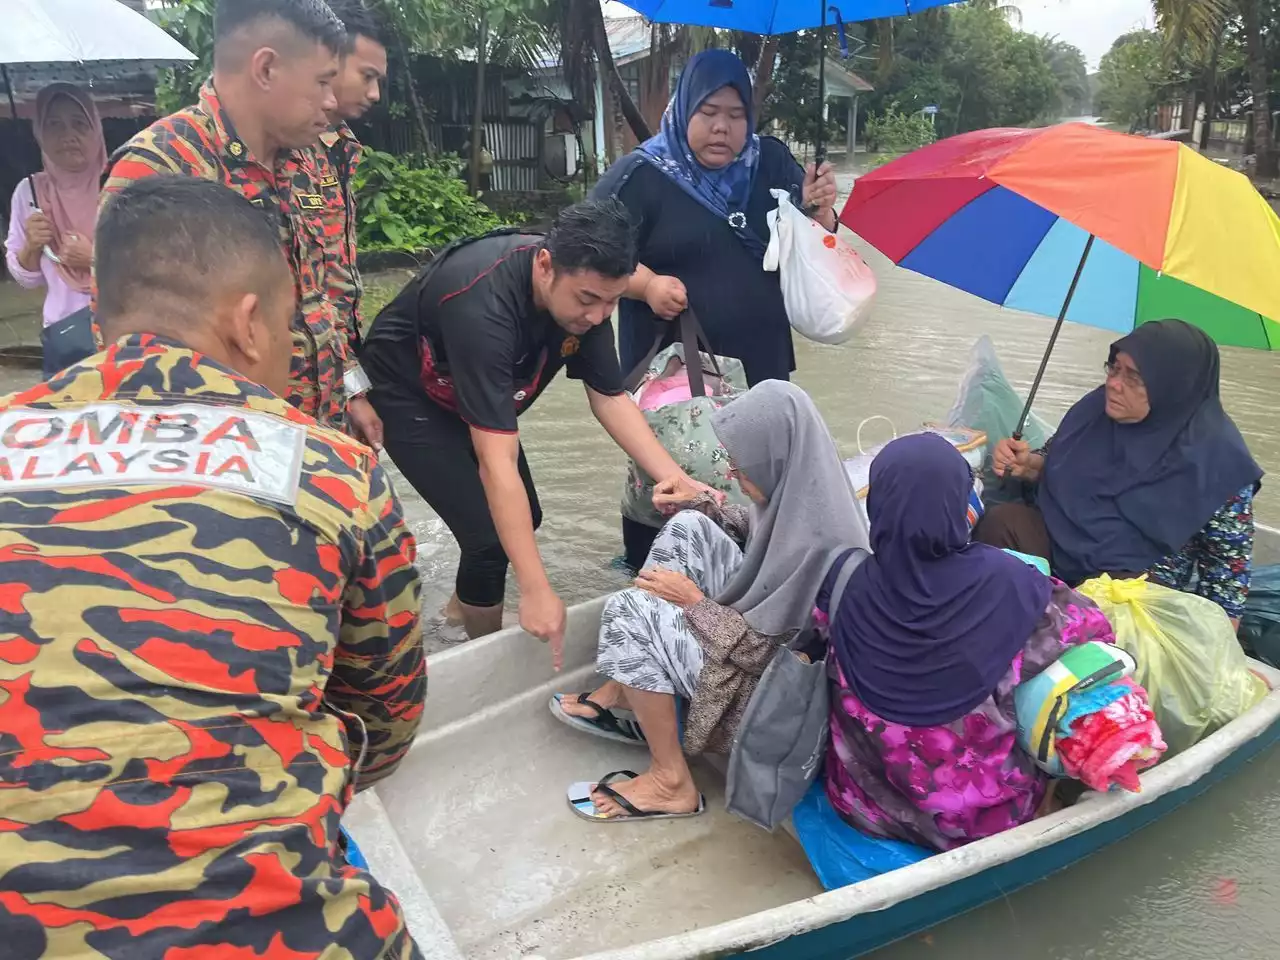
(723, 587)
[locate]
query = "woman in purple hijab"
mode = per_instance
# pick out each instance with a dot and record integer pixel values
(932, 634)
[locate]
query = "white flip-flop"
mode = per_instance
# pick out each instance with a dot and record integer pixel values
(580, 802)
(618, 725)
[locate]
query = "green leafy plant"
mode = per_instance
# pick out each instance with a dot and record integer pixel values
(893, 132)
(190, 22)
(413, 204)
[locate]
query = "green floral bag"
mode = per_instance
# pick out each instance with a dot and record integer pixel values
(687, 395)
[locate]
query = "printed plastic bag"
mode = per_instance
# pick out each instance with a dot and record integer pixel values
(827, 287)
(1193, 668)
(1260, 625)
(987, 403)
(839, 854)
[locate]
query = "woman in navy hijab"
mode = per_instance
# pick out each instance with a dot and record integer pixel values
(1146, 474)
(698, 192)
(930, 638)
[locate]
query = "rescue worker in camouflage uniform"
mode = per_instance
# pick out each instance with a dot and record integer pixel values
(362, 69)
(208, 620)
(274, 65)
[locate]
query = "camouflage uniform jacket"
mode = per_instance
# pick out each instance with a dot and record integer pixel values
(208, 639)
(200, 141)
(336, 159)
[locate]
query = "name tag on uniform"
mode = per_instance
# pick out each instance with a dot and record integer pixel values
(310, 201)
(329, 182)
(108, 444)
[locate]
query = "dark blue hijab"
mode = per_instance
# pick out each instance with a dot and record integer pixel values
(930, 623)
(726, 191)
(1118, 497)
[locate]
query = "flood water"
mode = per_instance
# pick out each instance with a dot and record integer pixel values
(1198, 885)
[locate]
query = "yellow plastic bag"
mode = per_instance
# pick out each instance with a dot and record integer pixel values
(1189, 661)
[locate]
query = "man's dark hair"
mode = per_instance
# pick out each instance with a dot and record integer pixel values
(311, 18)
(358, 20)
(165, 245)
(595, 235)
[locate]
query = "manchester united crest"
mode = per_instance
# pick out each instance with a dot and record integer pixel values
(569, 347)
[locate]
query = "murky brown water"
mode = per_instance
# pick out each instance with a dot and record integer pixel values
(1200, 884)
(905, 364)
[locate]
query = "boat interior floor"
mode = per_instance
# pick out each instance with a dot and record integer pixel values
(479, 807)
(483, 817)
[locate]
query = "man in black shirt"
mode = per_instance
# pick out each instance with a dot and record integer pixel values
(467, 347)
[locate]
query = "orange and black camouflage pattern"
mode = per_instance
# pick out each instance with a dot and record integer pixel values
(336, 160)
(200, 141)
(187, 678)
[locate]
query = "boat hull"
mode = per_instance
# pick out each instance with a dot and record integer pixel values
(864, 933)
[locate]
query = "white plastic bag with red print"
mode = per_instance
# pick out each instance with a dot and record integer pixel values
(827, 287)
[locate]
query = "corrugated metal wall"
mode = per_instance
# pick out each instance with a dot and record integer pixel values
(447, 91)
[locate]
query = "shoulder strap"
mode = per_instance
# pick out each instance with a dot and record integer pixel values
(694, 340)
(846, 563)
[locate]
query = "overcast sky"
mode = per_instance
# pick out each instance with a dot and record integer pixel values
(1091, 25)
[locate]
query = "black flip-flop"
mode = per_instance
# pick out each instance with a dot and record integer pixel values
(620, 725)
(580, 802)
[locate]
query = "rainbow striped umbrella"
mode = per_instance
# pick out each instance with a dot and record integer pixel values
(1083, 224)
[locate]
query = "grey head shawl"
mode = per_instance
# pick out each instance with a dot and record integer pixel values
(776, 437)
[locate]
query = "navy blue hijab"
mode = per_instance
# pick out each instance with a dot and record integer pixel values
(1118, 497)
(724, 191)
(930, 623)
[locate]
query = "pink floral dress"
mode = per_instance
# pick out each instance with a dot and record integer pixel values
(947, 785)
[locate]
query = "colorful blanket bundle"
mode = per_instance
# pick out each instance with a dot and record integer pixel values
(1085, 719)
(1108, 744)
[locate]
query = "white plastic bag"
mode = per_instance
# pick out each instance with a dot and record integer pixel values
(826, 286)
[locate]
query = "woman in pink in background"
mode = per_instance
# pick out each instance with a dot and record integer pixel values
(53, 212)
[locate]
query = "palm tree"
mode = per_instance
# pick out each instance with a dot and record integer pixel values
(1197, 26)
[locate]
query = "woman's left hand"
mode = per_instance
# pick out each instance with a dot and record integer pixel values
(670, 586)
(76, 251)
(819, 191)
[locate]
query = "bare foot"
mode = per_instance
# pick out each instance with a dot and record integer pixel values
(650, 794)
(611, 696)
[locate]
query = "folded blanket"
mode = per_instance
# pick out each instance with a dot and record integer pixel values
(1107, 747)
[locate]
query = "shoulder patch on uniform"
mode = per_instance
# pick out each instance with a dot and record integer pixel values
(110, 444)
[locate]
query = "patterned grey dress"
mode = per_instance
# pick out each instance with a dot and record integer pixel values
(646, 642)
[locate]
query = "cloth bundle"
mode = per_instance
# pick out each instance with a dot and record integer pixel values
(1108, 735)
(1083, 718)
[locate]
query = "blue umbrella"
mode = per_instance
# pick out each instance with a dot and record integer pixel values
(772, 17)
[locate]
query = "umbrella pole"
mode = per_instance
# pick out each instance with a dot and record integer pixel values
(1044, 362)
(8, 86)
(820, 147)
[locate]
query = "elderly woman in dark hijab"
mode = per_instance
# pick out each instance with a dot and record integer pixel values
(931, 636)
(699, 192)
(724, 586)
(1146, 474)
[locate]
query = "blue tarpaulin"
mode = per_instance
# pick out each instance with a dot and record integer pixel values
(839, 854)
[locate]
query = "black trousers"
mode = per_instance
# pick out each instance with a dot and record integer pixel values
(432, 447)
